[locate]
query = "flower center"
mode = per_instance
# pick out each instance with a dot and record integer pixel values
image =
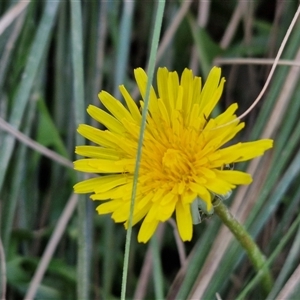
(175, 161)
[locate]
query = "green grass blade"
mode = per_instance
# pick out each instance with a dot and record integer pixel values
(36, 54)
(78, 89)
(157, 269)
(195, 262)
(9, 210)
(152, 60)
(287, 267)
(278, 249)
(265, 204)
(123, 45)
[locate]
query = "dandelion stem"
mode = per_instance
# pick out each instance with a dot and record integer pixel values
(256, 257)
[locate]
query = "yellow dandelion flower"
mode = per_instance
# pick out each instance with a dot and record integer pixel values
(182, 155)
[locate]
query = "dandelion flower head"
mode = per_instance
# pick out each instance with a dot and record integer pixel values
(183, 152)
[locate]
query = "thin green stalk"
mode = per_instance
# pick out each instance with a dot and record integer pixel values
(78, 88)
(152, 60)
(254, 254)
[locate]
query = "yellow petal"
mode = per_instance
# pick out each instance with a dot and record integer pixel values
(234, 177)
(123, 191)
(91, 165)
(210, 87)
(141, 80)
(114, 106)
(158, 195)
(100, 184)
(131, 105)
(168, 198)
(188, 197)
(179, 100)
(132, 129)
(186, 83)
(227, 115)
(184, 221)
(219, 186)
(152, 213)
(138, 215)
(97, 152)
(165, 211)
(250, 150)
(106, 119)
(145, 200)
(147, 230)
(203, 193)
(162, 79)
(197, 84)
(97, 136)
(172, 85)
(163, 112)
(214, 99)
(121, 213)
(109, 206)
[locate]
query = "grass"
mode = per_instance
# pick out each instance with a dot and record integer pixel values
(54, 59)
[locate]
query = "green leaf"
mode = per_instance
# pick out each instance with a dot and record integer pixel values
(47, 133)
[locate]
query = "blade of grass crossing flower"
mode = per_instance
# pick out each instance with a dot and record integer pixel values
(151, 66)
(78, 89)
(36, 54)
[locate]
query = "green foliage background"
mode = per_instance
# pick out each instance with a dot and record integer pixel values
(55, 56)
